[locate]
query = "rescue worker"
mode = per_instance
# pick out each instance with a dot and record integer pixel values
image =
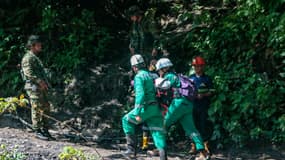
(164, 97)
(36, 86)
(145, 34)
(146, 110)
(180, 108)
(201, 104)
(145, 136)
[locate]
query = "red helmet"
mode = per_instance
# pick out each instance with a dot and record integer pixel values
(198, 61)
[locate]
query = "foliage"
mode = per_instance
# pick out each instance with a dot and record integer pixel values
(14, 154)
(80, 41)
(10, 75)
(242, 41)
(244, 48)
(70, 153)
(10, 104)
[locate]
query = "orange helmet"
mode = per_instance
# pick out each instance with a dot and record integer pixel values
(198, 61)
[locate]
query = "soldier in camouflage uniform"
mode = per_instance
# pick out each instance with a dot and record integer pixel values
(36, 87)
(145, 34)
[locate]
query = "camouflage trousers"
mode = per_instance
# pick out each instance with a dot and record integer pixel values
(39, 107)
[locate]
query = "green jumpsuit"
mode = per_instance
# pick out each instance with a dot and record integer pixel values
(180, 110)
(146, 107)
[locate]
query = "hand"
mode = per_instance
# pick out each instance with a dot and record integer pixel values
(138, 118)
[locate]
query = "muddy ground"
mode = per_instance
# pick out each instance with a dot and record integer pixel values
(14, 135)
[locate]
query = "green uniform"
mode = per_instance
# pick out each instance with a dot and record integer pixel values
(144, 35)
(33, 73)
(180, 110)
(147, 108)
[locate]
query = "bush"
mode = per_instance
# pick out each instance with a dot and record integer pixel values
(70, 153)
(6, 154)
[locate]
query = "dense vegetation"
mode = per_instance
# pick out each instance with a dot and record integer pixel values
(242, 41)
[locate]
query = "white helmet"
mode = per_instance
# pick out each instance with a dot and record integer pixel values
(162, 63)
(136, 59)
(162, 83)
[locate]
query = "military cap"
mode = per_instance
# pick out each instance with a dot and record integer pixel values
(135, 10)
(32, 40)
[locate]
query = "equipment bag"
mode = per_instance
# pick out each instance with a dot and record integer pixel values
(187, 87)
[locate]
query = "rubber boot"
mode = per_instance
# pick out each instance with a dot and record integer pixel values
(130, 153)
(145, 140)
(162, 154)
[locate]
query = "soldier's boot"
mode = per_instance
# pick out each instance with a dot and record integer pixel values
(192, 149)
(130, 153)
(203, 155)
(47, 134)
(162, 154)
(39, 134)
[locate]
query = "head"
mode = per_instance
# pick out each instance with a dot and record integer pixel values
(163, 65)
(137, 62)
(198, 63)
(135, 13)
(34, 44)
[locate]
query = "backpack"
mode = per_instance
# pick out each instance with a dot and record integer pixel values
(187, 87)
(164, 93)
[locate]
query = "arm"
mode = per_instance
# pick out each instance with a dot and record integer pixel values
(210, 91)
(28, 67)
(28, 70)
(139, 94)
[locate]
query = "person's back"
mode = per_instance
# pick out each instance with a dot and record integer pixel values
(181, 103)
(144, 87)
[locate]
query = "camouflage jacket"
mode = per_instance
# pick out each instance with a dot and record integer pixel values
(33, 69)
(145, 35)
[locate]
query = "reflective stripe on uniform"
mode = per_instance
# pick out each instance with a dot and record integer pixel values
(194, 134)
(153, 128)
(132, 121)
(138, 106)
